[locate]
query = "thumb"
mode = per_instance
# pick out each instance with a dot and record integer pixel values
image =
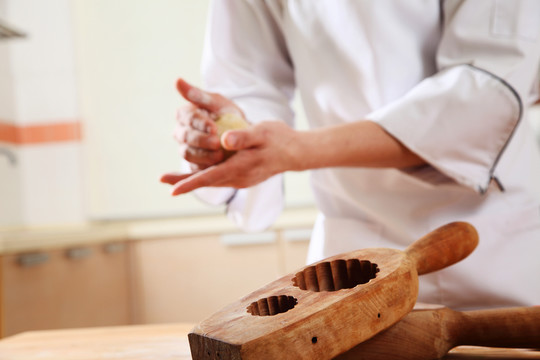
(209, 101)
(233, 140)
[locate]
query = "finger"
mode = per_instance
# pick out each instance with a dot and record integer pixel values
(212, 176)
(202, 121)
(195, 167)
(203, 157)
(196, 138)
(210, 101)
(199, 139)
(172, 178)
(179, 134)
(233, 140)
(183, 114)
(197, 118)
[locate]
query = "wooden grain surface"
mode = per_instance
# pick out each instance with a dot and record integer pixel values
(328, 307)
(56, 294)
(137, 342)
(321, 323)
(157, 342)
(430, 331)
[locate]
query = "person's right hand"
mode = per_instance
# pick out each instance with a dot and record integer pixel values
(196, 130)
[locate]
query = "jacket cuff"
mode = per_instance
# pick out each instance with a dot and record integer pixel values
(459, 121)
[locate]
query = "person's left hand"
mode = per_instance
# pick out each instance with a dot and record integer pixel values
(262, 150)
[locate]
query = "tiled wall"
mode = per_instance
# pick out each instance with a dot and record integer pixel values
(40, 128)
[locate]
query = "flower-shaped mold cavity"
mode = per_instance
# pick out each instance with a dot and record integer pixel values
(272, 305)
(335, 275)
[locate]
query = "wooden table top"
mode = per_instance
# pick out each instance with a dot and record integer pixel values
(136, 342)
(155, 342)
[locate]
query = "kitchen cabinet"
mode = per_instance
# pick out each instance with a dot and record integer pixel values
(153, 271)
(186, 279)
(76, 286)
(295, 243)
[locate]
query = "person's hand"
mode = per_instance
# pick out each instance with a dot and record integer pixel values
(196, 131)
(262, 150)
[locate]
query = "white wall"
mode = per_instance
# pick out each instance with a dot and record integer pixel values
(10, 200)
(110, 67)
(10, 191)
(129, 55)
(38, 90)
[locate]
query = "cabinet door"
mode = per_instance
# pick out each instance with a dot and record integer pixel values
(295, 248)
(76, 287)
(188, 279)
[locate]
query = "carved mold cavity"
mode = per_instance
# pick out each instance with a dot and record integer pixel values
(272, 305)
(335, 275)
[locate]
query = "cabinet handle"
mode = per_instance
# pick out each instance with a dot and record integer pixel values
(297, 235)
(113, 248)
(242, 239)
(32, 259)
(78, 253)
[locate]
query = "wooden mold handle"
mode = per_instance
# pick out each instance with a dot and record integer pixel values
(430, 333)
(508, 327)
(443, 247)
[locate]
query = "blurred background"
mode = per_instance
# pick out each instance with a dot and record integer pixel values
(88, 235)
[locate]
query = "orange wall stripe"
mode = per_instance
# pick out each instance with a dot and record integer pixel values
(8, 133)
(39, 134)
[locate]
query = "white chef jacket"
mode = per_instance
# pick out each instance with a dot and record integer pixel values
(450, 80)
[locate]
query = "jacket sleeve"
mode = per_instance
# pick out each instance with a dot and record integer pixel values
(245, 59)
(461, 118)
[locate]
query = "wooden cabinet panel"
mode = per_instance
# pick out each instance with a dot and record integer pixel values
(295, 248)
(77, 287)
(187, 279)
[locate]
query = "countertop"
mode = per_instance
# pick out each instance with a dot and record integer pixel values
(157, 342)
(20, 239)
